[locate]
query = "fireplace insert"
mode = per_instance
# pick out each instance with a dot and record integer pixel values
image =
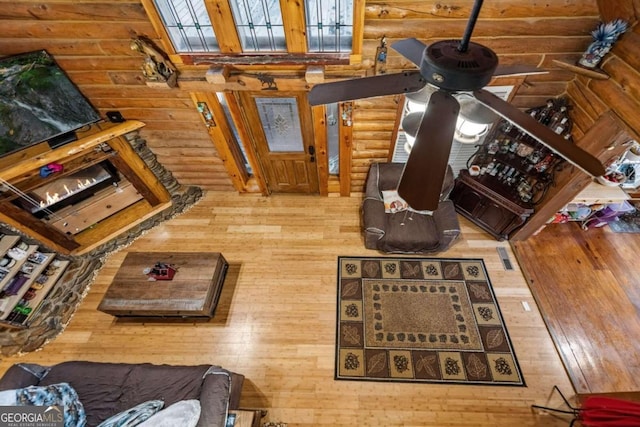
(69, 190)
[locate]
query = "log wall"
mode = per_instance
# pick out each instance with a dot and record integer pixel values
(621, 92)
(604, 112)
(90, 40)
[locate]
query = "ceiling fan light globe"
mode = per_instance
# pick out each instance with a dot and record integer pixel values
(411, 123)
(466, 139)
(422, 96)
(469, 130)
(473, 111)
(414, 107)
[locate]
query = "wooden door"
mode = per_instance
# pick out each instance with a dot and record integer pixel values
(282, 130)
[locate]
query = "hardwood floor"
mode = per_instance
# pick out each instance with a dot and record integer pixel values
(587, 284)
(275, 322)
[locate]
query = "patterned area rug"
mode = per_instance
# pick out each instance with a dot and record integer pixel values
(429, 320)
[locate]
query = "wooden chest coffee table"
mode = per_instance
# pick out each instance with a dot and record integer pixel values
(193, 291)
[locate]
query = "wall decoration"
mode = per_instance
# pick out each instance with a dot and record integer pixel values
(207, 116)
(268, 82)
(157, 69)
(346, 111)
(605, 35)
(380, 66)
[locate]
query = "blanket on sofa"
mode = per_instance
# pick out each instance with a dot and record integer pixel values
(62, 395)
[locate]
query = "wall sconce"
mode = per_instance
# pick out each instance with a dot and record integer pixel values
(203, 108)
(380, 64)
(347, 109)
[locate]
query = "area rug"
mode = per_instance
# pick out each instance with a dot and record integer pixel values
(627, 223)
(421, 320)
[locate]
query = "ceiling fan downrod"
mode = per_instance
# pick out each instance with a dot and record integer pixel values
(464, 43)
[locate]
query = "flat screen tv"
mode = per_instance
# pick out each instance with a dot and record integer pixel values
(38, 102)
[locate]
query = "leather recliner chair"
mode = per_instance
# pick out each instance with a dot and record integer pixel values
(406, 231)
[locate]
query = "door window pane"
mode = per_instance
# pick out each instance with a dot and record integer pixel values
(333, 138)
(259, 25)
(329, 25)
(281, 124)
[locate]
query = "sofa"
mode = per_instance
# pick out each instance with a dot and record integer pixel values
(106, 389)
(391, 226)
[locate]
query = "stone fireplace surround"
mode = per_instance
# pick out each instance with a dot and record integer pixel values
(59, 307)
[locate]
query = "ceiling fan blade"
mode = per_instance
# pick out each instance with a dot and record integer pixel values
(567, 150)
(422, 177)
(411, 49)
(472, 110)
(517, 70)
(366, 87)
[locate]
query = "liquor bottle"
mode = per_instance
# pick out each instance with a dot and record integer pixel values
(525, 190)
(542, 165)
(494, 147)
(504, 146)
(508, 175)
(503, 172)
(488, 168)
(545, 113)
(559, 121)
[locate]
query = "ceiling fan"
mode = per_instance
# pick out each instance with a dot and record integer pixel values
(447, 68)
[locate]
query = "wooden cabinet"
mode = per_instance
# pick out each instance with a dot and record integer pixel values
(476, 200)
(27, 275)
(510, 173)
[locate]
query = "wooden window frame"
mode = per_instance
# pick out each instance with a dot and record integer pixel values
(293, 17)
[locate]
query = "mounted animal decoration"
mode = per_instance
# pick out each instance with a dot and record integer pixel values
(157, 69)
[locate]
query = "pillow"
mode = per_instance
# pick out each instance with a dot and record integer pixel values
(8, 398)
(61, 394)
(133, 416)
(184, 413)
(393, 202)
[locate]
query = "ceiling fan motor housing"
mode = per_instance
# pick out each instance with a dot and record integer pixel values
(444, 66)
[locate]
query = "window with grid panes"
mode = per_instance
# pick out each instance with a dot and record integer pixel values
(258, 24)
(329, 25)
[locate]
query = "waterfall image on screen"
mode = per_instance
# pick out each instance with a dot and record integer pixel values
(38, 102)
